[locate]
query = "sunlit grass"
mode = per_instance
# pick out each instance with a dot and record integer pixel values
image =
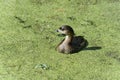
(28, 39)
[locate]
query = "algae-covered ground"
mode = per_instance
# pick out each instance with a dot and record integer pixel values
(28, 39)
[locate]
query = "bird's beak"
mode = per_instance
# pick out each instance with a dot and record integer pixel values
(57, 30)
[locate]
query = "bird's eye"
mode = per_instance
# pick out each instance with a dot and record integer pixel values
(61, 28)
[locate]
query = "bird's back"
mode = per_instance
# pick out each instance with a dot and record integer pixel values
(78, 43)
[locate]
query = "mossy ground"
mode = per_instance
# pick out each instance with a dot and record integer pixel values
(28, 39)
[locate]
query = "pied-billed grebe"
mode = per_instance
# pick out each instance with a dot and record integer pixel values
(71, 43)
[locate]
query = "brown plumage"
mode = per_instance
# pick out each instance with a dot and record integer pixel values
(71, 43)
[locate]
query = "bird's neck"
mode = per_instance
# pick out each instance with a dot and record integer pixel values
(68, 39)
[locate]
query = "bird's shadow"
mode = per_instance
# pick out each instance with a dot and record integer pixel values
(93, 48)
(89, 48)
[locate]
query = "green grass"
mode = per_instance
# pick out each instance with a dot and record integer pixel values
(28, 39)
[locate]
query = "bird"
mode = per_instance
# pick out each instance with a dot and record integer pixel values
(71, 43)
